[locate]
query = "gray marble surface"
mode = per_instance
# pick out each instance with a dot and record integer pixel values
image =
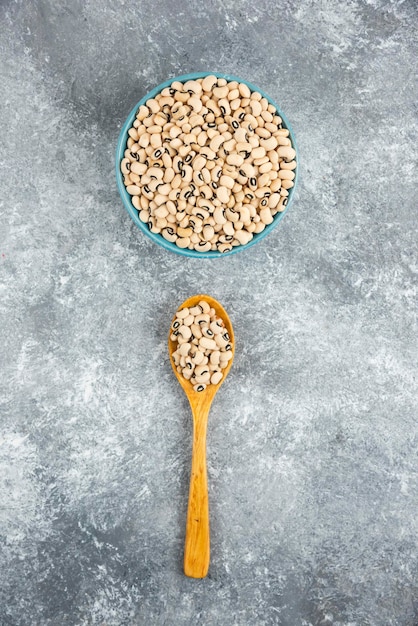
(312, 444)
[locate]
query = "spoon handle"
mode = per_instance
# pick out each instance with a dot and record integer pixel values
(197, 547)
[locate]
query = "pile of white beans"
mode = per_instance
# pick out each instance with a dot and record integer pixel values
(203, 345)
(208, 164)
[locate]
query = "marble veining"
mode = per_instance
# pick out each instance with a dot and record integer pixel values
(312, 442)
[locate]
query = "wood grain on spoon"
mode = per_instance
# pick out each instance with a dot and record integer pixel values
(197, 546)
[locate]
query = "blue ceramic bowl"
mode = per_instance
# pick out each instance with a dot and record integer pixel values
(126, 198)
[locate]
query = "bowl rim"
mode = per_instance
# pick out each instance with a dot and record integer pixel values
(126, 198)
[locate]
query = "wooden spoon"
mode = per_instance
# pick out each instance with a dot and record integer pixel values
(197, 546)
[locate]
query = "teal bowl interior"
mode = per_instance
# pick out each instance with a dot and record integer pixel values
(126, 198)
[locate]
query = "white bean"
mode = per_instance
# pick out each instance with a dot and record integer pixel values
(216, 378)
(207, 343)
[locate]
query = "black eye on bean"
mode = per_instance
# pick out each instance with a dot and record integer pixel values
(235, 124)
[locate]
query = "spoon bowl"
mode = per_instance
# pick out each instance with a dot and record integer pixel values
(197, 545)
